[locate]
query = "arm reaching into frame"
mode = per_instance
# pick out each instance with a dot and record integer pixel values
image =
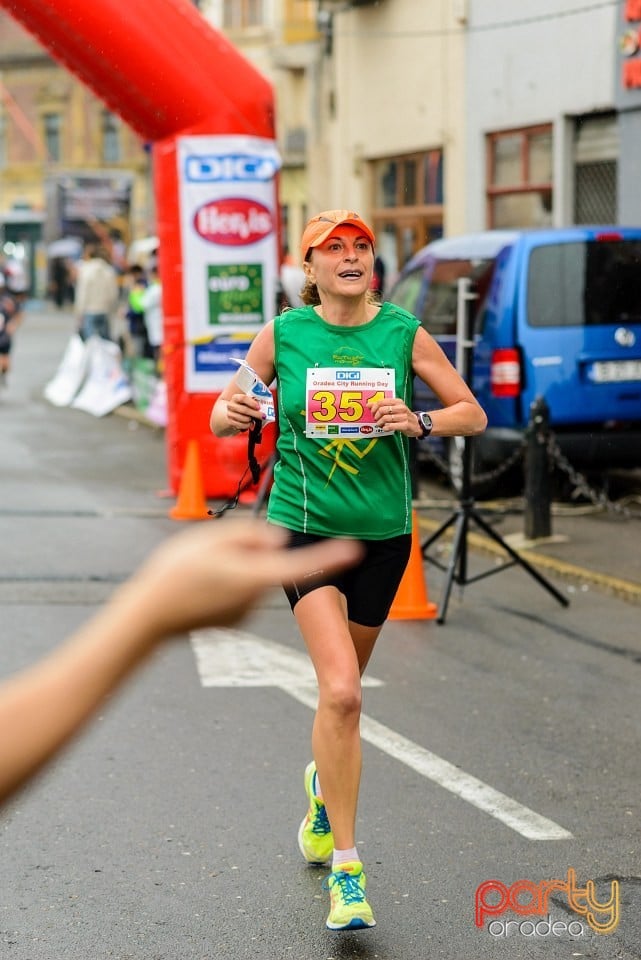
(210, 575)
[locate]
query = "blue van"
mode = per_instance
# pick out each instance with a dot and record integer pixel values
(557, 315)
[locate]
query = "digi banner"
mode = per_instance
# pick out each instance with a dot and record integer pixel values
(229, 233)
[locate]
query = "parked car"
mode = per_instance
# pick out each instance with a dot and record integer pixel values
(557, 315)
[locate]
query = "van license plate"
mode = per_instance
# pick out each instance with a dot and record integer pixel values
(615, 371)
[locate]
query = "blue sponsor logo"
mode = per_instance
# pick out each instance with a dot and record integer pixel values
(350, 430)
(231, 167)
(217, 355)
(348, 374)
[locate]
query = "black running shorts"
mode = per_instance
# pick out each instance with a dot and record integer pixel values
(369, 587)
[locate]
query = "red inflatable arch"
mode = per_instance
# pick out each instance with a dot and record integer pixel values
(162, 68)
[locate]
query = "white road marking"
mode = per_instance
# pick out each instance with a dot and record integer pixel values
(231, 658)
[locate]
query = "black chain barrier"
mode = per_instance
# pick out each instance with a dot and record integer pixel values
(489, 476)
(555, 459)
(581, 486)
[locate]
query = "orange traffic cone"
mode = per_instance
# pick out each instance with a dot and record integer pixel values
(191, 503)
(410, 602)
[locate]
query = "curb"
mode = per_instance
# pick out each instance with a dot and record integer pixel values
(129, 412)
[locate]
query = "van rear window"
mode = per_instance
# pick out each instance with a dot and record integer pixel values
(584, 284)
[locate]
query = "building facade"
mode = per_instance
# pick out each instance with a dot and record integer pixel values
(430, 117)
(521, 115)
(389, 138)
(542, 122)
(369, 99)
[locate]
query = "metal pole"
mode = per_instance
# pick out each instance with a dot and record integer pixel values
(464, 341)
(537, 474)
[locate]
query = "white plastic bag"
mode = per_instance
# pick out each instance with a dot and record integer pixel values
(70, 374)
(106, 386)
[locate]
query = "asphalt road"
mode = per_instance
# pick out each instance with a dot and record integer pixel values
(500, 746)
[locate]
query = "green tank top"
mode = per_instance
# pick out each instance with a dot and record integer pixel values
(333, 485)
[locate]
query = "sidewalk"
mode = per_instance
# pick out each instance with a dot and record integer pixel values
(589, 547)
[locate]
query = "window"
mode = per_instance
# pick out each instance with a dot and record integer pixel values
(52, 130)
(110, 138)
(408, 205)
(585, 284)
(440, 310)
(300, 21)
(519, 188)
(596, 153)
(595, 192)
(238, 14)
(410, 195)
(416, 179)
(408, 289)
(431, 292)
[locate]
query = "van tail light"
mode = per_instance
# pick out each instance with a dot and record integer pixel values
(505, 373)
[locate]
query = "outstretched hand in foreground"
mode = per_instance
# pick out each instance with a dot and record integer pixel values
(209, 575)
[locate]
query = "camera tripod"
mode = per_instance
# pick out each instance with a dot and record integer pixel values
(456, 570)
(466, 512)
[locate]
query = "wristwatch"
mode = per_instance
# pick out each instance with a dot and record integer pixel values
(424, 422)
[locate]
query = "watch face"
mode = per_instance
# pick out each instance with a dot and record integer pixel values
(426, 423)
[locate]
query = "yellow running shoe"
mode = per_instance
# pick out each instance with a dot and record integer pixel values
(315, 834)
(349, 910)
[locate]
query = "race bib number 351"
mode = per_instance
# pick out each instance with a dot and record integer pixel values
(337, 400)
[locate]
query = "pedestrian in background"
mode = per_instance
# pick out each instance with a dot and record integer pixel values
(135, 286)
(151, 302)
(97, 293)
(17, 278)
(61, 282)
(331, 485)
(10, 319)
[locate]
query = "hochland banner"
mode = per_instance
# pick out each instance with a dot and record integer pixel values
(229, 235)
